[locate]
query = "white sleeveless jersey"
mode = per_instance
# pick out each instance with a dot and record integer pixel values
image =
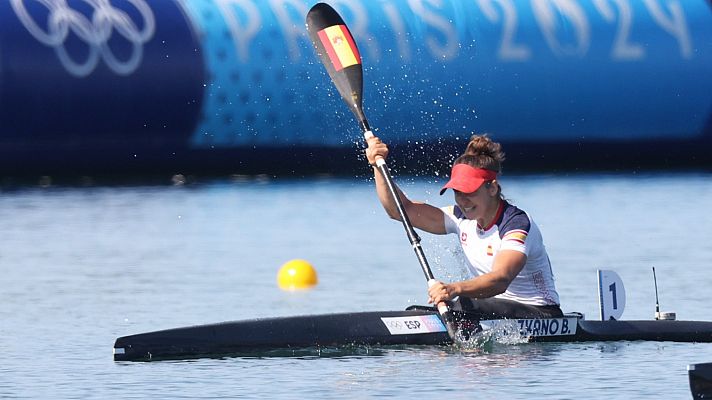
(512, 229)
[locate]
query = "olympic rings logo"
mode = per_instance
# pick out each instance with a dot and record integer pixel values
(95, 32)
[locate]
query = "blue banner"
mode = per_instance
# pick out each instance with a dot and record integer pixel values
(141, 84)
(539, 70)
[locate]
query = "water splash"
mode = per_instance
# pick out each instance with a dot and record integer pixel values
(491, 333)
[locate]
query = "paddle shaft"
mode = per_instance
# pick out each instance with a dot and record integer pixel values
(413, 237)
(410, 232)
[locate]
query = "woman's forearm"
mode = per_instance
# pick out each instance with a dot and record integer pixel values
(481, 287)
(385, 197)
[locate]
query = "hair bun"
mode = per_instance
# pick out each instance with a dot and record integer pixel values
(483, 152)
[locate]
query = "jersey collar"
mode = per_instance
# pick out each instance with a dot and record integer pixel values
(497, 216)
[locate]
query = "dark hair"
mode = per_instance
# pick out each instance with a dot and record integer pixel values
(482, 152)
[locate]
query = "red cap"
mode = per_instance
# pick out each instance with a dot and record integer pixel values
(466, 178)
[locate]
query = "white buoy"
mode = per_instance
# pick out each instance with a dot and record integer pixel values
(665, 315)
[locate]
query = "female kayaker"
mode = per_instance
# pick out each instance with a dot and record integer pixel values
(512, 275)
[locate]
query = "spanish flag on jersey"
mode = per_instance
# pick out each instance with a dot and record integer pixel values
(516, 235)
(340, 46)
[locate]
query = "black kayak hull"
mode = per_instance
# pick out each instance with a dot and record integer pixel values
(700, 376)
(409, 327)
(248, 336)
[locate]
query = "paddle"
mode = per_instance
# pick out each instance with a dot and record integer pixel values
(338, 52)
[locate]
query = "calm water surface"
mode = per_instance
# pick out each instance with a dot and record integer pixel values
(82, 266)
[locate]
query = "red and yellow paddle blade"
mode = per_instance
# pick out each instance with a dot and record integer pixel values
(339, 46)
(338, 52)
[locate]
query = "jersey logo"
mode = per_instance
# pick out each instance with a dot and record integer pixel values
(490, 252)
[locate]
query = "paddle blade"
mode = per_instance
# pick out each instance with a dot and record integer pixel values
(338, 52)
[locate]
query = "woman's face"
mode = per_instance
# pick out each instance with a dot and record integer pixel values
(480, 204)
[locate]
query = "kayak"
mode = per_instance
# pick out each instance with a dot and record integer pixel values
(700, 376)
(416, 325)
